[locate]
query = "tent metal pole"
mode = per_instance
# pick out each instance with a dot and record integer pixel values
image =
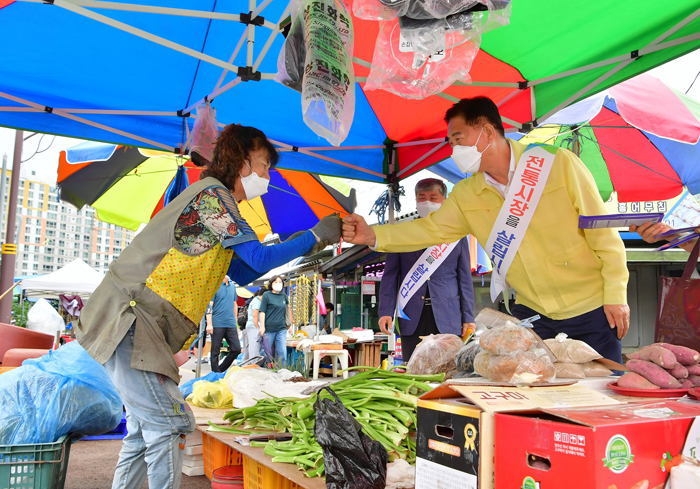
(533, 104)
(230, 60)
(148, 9)
(418, 143)
(326, 158)
(94, 111)
(251, 36)
(61, 113)
(426, 155)
(652, 47)
(508, 97)
(270, 39)
(260, 8)
(9, 248)
(504, 119)
(214, 94)
(198, 368)
(619, 67)
(340, 148)
(146, 35)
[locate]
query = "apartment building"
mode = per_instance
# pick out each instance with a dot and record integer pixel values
(50, 233)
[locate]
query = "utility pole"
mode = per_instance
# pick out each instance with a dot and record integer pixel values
(9, 248)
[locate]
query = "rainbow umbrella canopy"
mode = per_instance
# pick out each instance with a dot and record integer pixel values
(59, 75)
(127, 186)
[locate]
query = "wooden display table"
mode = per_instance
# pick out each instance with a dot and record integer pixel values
(260, 472)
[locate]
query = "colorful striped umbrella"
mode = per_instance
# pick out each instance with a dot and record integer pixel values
(639, 138)
(127, 186)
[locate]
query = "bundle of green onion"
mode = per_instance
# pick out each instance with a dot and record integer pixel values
(383, 402)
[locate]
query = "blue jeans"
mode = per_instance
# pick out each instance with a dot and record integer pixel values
(278, 342)
(157, 420)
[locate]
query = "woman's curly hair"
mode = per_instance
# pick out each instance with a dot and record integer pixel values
(233, 147)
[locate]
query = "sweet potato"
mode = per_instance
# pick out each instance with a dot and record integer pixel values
(657, 354)
(684, 355)
(695, 379)
(687, 384)
(693, 369)
(654, 374)
(631, 380)
(679, 371)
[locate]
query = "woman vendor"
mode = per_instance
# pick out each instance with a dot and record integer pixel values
(154, 295)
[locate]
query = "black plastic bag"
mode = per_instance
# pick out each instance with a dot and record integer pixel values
(352, 459)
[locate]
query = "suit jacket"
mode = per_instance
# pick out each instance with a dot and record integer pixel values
(451, 291)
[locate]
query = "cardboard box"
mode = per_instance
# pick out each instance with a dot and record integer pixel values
(621, 447)
(455, 429)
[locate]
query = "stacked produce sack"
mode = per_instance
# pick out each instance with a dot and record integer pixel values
(575, 358)
(514, 354)
(662, 366)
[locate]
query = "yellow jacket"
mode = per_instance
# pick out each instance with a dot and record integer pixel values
(560, 271)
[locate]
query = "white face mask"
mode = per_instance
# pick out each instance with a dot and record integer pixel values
(254, 185)
(277, 287)
(468, 158)
(426, 207)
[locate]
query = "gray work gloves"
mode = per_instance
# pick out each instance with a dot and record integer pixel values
(329, 230)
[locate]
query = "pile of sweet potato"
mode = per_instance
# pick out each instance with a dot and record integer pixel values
(662, 366)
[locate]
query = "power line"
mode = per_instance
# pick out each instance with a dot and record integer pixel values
(691, 85)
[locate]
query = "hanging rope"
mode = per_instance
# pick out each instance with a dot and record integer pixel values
(385, 200)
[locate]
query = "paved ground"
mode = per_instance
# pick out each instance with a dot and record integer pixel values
(91, 466)
(91, 463)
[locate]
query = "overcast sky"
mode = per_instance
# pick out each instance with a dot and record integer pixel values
(678, 74)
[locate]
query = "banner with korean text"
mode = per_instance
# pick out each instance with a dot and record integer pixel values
(514, 218)
(424, 267)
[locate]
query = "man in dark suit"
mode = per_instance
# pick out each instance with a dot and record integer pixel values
(445, 302)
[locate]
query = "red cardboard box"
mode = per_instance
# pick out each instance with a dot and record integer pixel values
(631, 446)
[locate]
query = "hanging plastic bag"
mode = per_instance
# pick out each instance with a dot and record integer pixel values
(424, 9)
(212, 395)
(64, 391)
(352, 459)
(204, 135)
(42, 317)
(316, 60)
(435, 354)
(418, 58)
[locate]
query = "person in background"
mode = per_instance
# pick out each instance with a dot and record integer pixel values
(445, 302)
(273, 307)
(252, 327)
(325, 319)
(221, 323)
(574, 279)
(650, 231)
(150, 302)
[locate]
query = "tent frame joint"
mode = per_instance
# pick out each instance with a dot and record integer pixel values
(635, 54)
(523, 85)
(48, 110)
(247, 73)
(185, 114)
(295, 149)
(247, 20)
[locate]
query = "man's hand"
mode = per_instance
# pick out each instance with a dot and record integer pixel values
(385, 322)
(466, 327)
(618, 317)
(262, 330)
(210, 329)
(649, 231)
(357, 231)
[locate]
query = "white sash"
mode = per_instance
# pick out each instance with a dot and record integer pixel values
(514, 218)
(424, 267)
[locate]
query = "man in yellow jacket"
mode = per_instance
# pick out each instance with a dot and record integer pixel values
(575, 279)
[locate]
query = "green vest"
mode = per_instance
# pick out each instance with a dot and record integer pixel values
(155, 285)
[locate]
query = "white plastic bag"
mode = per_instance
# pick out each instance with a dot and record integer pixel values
(204, 134)
(248, 385)
(421, 9)
(316, 60)
(42, 317)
